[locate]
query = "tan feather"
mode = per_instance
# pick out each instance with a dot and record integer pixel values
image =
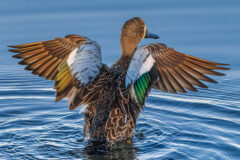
(177, 71)
(177, 84)
(39, 71)
(33, 59)
(52, 67)
(206, 65)
(38, 63)
(166, 81)
(25, 45)
(203, 60)
(28, 53)
(196, 74)
(45, 57)
(203, 70)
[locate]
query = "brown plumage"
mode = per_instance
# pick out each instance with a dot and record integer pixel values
(47, 57)
(179, 71)
(112, 107)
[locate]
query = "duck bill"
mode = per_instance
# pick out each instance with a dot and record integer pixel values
(151, 35)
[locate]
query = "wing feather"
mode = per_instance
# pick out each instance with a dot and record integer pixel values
(175, 71)
(50, 59)
(178, 70)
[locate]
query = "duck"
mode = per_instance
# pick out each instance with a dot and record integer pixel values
(114, 95)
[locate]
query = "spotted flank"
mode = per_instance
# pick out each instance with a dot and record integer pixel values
(116, 126)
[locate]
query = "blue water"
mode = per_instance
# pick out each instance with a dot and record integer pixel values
(195, 126)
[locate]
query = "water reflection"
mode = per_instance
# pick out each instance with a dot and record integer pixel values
(124, 150)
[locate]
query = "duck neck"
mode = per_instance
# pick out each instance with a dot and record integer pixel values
(128, 46)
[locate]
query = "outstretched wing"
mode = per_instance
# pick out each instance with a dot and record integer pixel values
(73, 62)
(157, 66)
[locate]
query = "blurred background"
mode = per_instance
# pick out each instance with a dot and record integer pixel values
(203, 125)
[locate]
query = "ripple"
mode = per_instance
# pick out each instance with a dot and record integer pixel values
(194, 126)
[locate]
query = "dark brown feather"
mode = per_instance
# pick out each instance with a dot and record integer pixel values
(166, 81)
(37, 64)
(177, 85)
(44, 58)
(52, 67)
(34, 53)
(195, 73)
(178, 71)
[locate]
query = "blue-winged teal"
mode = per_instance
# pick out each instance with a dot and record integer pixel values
(114, 95)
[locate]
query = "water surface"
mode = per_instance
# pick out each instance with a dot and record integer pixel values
(202, 125)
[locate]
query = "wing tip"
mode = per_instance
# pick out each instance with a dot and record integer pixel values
(57, 100)
(22, 62)
(15, 50)
(222, 64)
(16, 56)
(182, 91)
(58, 97)
(218, 74)
(12, 46)
(203, 86)
(12, 50)
(27, 68)
(71, 108)
(194, 89)
(222, 68)
(174, 92)
(211, 80)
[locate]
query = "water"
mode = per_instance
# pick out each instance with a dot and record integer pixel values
(203, 125)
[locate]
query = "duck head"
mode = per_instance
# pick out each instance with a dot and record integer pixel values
(133, 31)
